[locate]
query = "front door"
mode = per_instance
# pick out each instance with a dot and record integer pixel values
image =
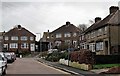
(32, 47)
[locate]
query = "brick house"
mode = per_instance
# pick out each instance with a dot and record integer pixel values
(1, 41)
(103, 36)
(64, 37)
(19, 39)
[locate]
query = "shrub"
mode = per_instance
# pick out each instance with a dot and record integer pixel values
(56, 56)
(83, 56)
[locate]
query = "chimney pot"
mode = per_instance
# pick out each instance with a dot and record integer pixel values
(113, 9)
(67, 23)
(97, 19)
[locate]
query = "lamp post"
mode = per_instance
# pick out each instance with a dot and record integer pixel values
(39, 40)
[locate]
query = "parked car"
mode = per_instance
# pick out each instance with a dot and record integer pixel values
(13, 55)
(9, 57)
(2, 66)
(4, 57)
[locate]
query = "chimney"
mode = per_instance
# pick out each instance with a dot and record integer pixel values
(67, 23)
(19, 26)
(48, 31)
(97, 19)
(113, 9)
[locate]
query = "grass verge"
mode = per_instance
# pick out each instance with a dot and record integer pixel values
(101, 66)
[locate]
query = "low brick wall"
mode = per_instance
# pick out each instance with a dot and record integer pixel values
(76, 64)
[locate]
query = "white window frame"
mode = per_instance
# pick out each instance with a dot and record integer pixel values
(67, 34)
(58, 35)
(14, 37)
(74, 34)
(13, 45)
(6, 37)
(31, 38)
(106, 28)
(6, 46)
(99, 46)
(24, 38)
(24, 45)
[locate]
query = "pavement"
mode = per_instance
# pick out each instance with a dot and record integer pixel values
(73, 71)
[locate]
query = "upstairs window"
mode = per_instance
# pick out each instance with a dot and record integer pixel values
(1, 37)
(6, 37)
(24, 38)
(74, 34)
(58, 35)
(14, 38)
(67, 35)
(105, 32)
(31, 38)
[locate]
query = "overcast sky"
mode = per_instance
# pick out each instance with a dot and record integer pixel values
(40, 16)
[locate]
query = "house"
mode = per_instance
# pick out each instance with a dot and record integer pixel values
(19, 39)
(103, 36)
(64, 37)
(1, 41)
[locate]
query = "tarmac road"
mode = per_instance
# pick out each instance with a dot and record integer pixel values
(31, 66)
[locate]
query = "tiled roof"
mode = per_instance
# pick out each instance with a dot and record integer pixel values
(112, 18)
(66, 28)
(1, 33)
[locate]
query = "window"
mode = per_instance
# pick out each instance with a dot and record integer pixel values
(67, 41)
(58, 35)
(67, 35)
(24, 45)
(24, 38)
(1, 37)
(31, 38)
(92, 47)
(14, 38)
(6, 37)
(105, 32)
(99, 32)
(74, 34)
(6, 46)
(57, 43)
(13, 45)
(99, 46)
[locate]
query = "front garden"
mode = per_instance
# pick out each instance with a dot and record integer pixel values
(84, 59)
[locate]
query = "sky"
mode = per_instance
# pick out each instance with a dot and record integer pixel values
(39, 16)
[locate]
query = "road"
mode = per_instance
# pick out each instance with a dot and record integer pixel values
(31, 66)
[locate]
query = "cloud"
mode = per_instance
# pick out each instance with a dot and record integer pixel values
(39, 17)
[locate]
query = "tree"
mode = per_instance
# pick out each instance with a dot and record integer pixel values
(82, 27)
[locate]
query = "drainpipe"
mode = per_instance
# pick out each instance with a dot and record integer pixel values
(109, 52)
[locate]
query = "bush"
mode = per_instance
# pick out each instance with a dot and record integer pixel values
(56, 56)
(83, 56)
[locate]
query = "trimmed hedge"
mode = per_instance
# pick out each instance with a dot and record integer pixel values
(107, 59)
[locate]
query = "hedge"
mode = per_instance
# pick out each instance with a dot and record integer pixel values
(107, 59)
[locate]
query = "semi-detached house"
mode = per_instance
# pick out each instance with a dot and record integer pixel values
(103, 36)
(19, 39)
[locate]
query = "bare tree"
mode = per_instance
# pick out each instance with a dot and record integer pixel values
(82, 27)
